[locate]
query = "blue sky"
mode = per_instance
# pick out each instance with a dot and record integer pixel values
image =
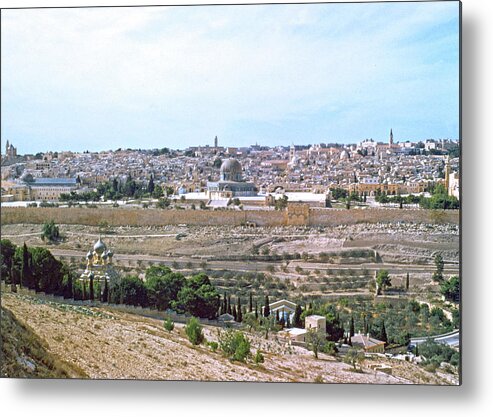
(97, 79)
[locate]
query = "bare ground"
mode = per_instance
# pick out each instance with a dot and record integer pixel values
(112, 345)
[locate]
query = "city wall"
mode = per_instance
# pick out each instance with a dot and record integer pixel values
(295, 215)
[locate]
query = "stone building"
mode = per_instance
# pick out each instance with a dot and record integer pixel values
(231, 183)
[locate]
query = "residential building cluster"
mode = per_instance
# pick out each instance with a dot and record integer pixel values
(368, 167)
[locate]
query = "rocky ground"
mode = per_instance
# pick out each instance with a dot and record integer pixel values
(106, 344)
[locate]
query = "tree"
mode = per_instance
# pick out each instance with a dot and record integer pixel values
(193, 330)
(315, 341)
(353, 357)
(266, 307)
(7, 256)
(451, 289)
(297, 320)
(383, 280)
(105, 294)
(351, 327)
(239, 314)
(250, 303)
(407, 281)
(131, 290)
(382, 335)
(163, 286)
(150, 185)
(439, 264)
(198, 297)
(235, 345)
(91, 287)
(26, 272)
(50, 232)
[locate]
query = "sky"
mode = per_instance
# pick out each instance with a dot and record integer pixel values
(153, 77)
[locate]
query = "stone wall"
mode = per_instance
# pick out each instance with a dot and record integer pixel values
(155, 217)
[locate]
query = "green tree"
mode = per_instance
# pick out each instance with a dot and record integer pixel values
(50, 232)
(315, 341)
(382, 335)
(354, 357)
(351, 327)
(297, 320)
(7, 257)
(198, 297)
(407, 281)
(239, 313)
(163, 286)
(235, 345)
(266, 307)
(150, 185)
(26, 268)
(91, 287)
(439, 265)
(383, 281)
(250, 303)
(451, 289)
(193, 330)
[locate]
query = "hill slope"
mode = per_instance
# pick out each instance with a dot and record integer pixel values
(25, 355)
(107, 344)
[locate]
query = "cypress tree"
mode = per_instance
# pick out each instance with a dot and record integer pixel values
(407, 281)
(25, 268)
(229, 310)
(297, 322)
(277, 316)
(351, 327)
(83, 289)
(105, 293)
(383, 333)
(256, 311)
(365, 325)
(266, 307)
(250, 304)
(91, 287)
(288, 322)
(238, 311)
(234, 313)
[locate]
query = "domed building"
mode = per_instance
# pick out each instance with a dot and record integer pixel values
(231, 183)
(99, 263)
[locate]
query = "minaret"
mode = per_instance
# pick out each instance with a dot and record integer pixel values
(447, 174)
(215, 142)
(391, 138)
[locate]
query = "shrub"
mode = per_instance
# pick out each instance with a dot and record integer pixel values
(193, 330)
(259, 358)
(234, 345)
(169, 325)
(213, 346)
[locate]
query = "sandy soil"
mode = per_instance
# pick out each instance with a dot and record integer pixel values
(107, 344)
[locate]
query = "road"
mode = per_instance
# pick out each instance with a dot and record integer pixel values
(452, 339)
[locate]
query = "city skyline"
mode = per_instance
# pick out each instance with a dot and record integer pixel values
(273, 75)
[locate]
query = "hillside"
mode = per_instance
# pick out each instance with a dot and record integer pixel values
(109, 344)
(25, 355)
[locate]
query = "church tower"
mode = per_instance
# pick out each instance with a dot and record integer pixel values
(7, 147)
(215, 142)
(391, 138)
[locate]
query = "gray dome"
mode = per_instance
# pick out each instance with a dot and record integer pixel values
(231, 165)
(109, 253)
(99, 247)
(230, 170)
(89, 255)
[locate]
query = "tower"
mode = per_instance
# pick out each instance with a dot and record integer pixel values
(391, 138)
(447, 174)
(7, 147)
(292, 152)
(215, 142)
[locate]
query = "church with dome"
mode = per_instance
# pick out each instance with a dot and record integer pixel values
(99, 263)
(231, 183)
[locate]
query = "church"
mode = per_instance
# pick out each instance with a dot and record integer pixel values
(231, 183)
(99, 263)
